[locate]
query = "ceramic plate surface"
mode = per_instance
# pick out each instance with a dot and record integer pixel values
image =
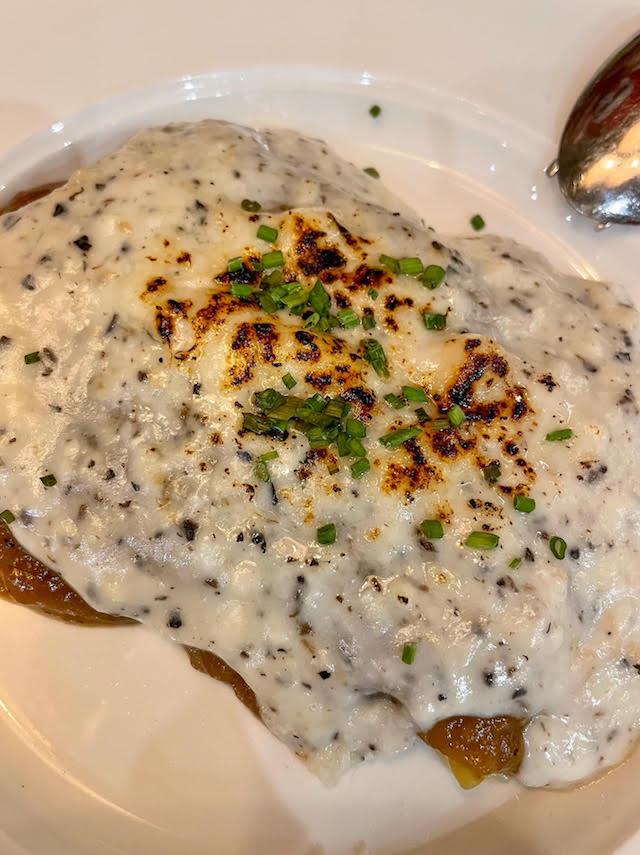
(110, 742)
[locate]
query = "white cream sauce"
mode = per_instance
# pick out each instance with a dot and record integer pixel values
(147, 364)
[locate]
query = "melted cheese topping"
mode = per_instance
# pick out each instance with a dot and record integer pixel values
(147, 363)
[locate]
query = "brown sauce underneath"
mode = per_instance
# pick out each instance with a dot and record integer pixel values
(479, 746)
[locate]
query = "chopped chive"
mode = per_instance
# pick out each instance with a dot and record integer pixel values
(456, 415)
(261, 471)
(515, 563)
(477, 223)
(238, 289)
(360, 467)
(342, 441)
(482, 540)
(368, 322)
(250, 205)
(7, 517)
(256, 424)
(373, 293)
(434, 321)
(372, 171)
(337, 408)
(524, 504)
(273, 259)
(354, 427)
(356, 447)
(409, 653)
(289, 381)
(375, 356)
(270, 455)
(332, 467)
(275, 278)
(432, 529)
(492, 473)
(326, 534)
(30, 358)
(439, 424)
(558, 435)
(375, 111)
(348, 319)
(390, 263)
(49, 480)
(558, 547)
(422, 414)
(234, 264)
(268, 399)
(267, 233)
(397, 437)
(319, 299)
(410, 266)
(432, 276)
(414, 393)
(312, 321)
(396, 402)
(316, 402)
(268, 303)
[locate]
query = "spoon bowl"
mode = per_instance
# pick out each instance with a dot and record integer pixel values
(598, 163)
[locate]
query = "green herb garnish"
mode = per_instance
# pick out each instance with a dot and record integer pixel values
(326, 534)
(524, 504)
(396, 402)
(477, 223)
(492, 473)
(432, 529)
(414, 393)
(267, 233)
(433, 321)
(515, 563)
(372, 171)
(558, 547)
(30, 358)
(396, 437)
(348, 319)
(239, 289)
(558, 435)
(360, 467)
(368, 322)
(273, 259)
(390, 263)
(49, 480)
(7, 516)
(375, 356)
(410, 266)
(482, 540)
(234, 264)
(409, 653)
(432, 277)
(456, 415)
(289, 381)
(250, 205)
(375, 111)
(373, 293)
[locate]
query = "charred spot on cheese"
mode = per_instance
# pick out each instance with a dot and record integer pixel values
(312, 254)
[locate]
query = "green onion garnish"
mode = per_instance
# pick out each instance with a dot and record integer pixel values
(270, 455)
(482, 540)
(30, 358)
(49, 480)
(268, 399)
(422, 414)
(267, 233)
(390, 263)
(239, 289)
(434, 321)
(375, 356)
(558, 547)
(523, 503)
(250, 205)
(432, 277)
(456, 415)
(234, 264)
(375, 111)
(289, 381)
(409, 653)
(368, 322)
(492, 473)
(255, 423)
(396, 437)
(558, 435)
(432, 529)
(337, 408)
(394, 401)
(439, 424)
(515, 563)
(410, 266)
(477, 223)
(356, 447)
(319, 299)
(360, 467)
(316, 402)
(7, 516)
(354, 427)
(268, 303)
(273, 259)
(372, 171)
(373, 293)
(414, 393)
(326, 534)
(312, 321)
(342, 442)
(261, 471)
(348, 319)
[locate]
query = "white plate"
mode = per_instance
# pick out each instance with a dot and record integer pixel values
(110, 741)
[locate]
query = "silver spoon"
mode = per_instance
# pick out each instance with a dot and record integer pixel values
(598, 163)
